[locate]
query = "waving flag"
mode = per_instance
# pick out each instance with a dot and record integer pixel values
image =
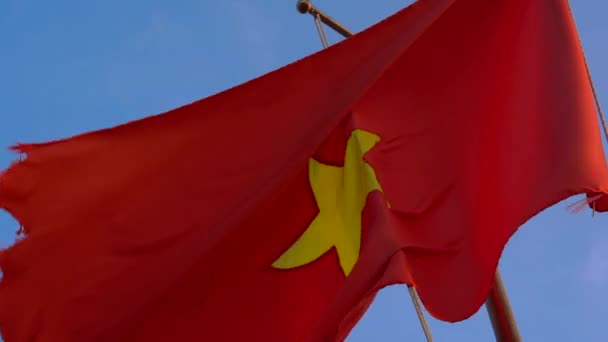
(275, 210)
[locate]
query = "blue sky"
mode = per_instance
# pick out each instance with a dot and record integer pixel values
(68, 66)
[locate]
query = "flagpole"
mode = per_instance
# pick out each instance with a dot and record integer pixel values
(501, 314)
(305, 6)
(423, 323)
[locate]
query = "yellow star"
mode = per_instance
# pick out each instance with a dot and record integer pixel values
(341, 193)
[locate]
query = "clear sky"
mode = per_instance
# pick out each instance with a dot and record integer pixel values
(68, 66)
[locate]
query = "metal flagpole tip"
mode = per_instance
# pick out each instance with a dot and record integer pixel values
(304, 6)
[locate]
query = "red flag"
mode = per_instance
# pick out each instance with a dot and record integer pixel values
(275, 210)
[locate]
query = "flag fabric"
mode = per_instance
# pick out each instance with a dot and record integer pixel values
(274, 211)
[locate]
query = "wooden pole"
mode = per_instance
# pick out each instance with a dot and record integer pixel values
(420, 313)
(304, 6)
(500, 312)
